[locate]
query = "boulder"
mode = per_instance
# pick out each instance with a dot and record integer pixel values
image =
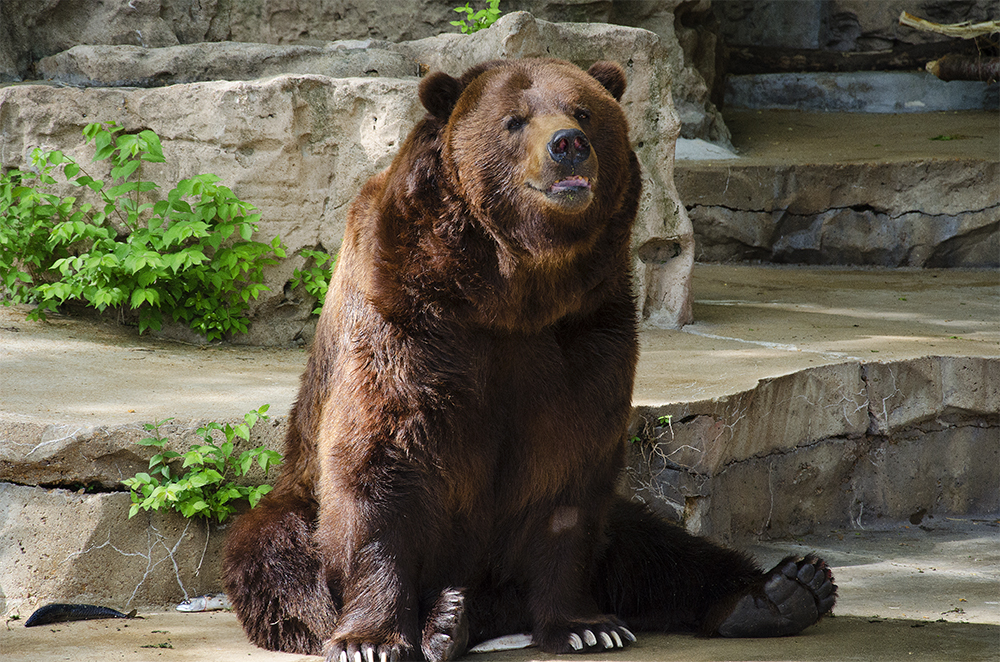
(99, 556)
(35, 30)
(834, 446)
(99, 457)
(913, 212)
(299, 146)
(135, 66)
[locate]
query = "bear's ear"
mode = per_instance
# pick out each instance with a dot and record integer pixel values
(438, 94)
(611, 76)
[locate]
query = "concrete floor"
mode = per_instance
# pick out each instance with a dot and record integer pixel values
(906, 593)
(928, 592)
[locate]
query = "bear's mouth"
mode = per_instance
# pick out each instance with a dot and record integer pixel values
(570, 194)
(574, 184)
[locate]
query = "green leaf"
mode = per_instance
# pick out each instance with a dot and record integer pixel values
(125, 170)
(257, 494)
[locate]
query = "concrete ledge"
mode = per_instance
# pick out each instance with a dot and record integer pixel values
(837, 188)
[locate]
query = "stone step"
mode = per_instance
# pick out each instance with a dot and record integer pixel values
(858, 92)
(800, 400)
(916, 190)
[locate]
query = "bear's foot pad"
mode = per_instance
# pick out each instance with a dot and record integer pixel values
(792, 596)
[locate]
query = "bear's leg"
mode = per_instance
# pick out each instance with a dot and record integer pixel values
(565, 618)
(275, 579)
(656, 576)
(378, 543)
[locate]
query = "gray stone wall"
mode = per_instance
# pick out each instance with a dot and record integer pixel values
(839, 25)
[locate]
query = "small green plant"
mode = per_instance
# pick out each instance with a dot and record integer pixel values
(474, 21)
(189, 256)
(206, 489)
(315, 279)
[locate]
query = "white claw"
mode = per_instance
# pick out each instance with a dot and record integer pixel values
(606, 640)
(369, 651)
(575, 642)
(589, 638)
(383, 656)
(618, 640)
(628, 634)
(357, 656)
(343, 656)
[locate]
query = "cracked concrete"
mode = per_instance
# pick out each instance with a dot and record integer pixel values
(815, 399)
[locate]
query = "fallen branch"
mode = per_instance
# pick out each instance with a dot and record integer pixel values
(964, 67)
(965, 30)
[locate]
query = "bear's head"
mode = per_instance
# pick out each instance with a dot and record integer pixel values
(537, 150)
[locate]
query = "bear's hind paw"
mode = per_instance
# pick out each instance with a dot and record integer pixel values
(792, 596)
(587, 637)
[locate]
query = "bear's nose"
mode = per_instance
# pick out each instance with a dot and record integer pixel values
(569, 147)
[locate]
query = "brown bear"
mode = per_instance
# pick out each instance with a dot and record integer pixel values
(452, 459)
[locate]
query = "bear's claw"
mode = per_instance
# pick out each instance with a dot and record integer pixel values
(793, 595)
(588, 637)
(446, 629)
(345, 651)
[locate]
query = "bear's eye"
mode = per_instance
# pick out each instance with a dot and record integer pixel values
(515, 123)
(581, 114)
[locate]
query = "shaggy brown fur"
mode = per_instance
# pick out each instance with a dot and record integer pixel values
(453, 454)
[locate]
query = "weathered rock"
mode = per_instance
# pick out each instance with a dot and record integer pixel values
(849, 236)
(923, 212)
(840, 445)
(135, 66)
(933, 390)
(99, 556)
(37, 30)
(299, 147)
(100, 457)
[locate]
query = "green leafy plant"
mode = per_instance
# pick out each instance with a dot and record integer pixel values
(315, 279)
(189, 255)
(205, 489)
(475, 21)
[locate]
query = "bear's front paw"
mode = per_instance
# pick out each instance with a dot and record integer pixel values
(586, 636)
(792, 596)
(358, 651)
(446, 630)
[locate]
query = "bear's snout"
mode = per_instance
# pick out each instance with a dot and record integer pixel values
(569, 147)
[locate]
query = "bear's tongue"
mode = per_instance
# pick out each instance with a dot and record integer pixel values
(570, 184)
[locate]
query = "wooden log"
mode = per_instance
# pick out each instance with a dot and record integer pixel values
(764, 60)
(964, 67)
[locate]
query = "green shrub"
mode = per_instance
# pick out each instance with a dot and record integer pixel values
(475, 21)
(204, 490)
(315, 279)
(188, 255)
